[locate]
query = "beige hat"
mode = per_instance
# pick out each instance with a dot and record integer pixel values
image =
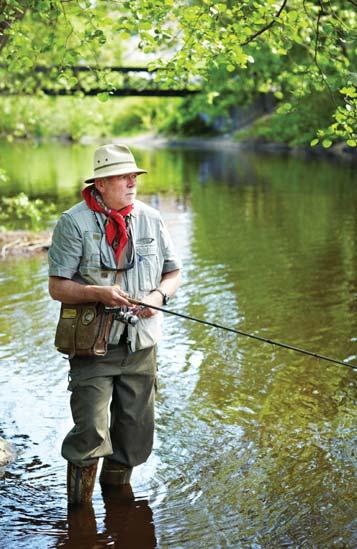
(113, 160)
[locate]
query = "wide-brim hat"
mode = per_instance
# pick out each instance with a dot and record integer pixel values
(113, 160)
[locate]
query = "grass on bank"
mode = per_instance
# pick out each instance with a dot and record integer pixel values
(73, 118)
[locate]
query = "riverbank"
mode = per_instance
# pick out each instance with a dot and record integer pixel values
(227, 142)
(14, 243)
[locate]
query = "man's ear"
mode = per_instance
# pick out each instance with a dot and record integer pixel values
(99, 184)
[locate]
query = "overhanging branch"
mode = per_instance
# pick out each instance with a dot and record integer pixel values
(5, 24)
(317, 36)
(267, 27)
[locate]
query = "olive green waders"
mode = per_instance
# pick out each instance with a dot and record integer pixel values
(126, 382)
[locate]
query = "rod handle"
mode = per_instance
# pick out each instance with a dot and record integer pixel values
(134, 301)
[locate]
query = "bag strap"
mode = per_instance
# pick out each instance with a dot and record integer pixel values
(106, 321)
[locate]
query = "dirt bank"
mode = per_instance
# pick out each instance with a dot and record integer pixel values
(23, 242)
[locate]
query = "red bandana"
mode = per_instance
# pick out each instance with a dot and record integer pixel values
(115, 227)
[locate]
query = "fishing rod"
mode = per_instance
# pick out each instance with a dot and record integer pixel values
(246, 334)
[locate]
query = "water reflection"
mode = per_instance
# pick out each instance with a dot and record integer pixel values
(128, 522)
(254, 445)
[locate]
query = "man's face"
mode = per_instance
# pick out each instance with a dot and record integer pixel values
(118, 191)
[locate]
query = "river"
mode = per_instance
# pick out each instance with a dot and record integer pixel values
(255, 445)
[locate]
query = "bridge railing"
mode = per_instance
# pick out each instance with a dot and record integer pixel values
(90, 81)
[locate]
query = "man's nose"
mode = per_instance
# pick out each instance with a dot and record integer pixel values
(132, 179)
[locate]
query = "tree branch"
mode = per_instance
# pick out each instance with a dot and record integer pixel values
(316, 47)
(317, 33)
(6, 23)
(267, 27)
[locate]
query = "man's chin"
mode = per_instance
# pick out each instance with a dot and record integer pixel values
(128, 202)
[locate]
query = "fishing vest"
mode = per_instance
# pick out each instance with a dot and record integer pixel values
(148, 259)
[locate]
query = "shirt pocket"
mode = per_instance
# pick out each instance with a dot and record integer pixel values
(147, 262)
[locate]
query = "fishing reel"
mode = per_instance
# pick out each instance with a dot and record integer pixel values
(125, 317)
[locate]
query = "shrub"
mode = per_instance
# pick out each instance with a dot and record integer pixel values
(21, 212)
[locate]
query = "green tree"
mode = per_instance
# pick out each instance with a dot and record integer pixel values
(292, 49)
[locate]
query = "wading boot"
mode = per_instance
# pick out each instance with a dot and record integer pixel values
(80, 483)
(114, 473)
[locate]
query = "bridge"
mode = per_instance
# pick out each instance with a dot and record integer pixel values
(88, 82)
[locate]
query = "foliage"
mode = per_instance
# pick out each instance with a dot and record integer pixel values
(295, 127)
(75, 118)
(135, 115)
(345, 121)
(21, 212)
(231, 50)
(3, 176)
(191, 118)
(292, 50)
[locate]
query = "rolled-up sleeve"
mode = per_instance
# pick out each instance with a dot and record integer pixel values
(171, 260)
(66, 249)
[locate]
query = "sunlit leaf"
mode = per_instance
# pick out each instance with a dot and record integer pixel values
(103, 97)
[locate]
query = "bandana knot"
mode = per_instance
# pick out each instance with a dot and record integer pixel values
(115, 226)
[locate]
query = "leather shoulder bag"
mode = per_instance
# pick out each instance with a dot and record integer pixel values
(83, 329)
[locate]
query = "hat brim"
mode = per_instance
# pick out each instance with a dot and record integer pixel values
(110, 173)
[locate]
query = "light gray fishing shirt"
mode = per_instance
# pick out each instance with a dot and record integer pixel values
(80, 252)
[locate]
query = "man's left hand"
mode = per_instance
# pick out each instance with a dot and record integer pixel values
(155, 298)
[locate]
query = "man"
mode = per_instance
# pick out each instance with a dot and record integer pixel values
(106, 249)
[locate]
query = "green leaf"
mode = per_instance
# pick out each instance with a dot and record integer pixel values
(326, 143)
(153, 65)
(351, 142)
(72, 81)
(230, 68)
(284, 109)
(350, 91)
(146, 36)
(103, 97)
(146, 25)
(211, 96)
(314, 142)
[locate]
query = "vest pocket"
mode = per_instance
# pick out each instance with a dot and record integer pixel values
(147, 262)
(90, 267)
(91, 249)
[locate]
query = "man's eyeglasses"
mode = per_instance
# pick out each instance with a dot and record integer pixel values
(104, 261)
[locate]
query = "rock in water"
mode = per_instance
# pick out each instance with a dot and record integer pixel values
(7, 454)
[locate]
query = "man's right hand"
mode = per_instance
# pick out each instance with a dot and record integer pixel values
(68, 291)
(112, 296)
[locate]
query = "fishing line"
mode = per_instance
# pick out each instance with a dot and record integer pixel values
(246, 334)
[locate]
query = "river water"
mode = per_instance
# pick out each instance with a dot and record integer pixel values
(255, 445)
